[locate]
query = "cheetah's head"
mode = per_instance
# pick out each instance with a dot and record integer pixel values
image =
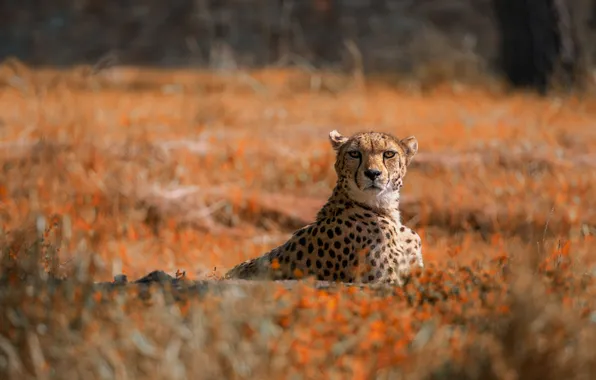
(371, 166)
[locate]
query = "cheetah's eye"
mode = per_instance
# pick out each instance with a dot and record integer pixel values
(389, 154)
(354, 154)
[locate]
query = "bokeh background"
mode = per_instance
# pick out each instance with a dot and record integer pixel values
(191, 135)
(433, 40)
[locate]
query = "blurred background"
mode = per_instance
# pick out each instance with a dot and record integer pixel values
(524, 41)
(188, 136)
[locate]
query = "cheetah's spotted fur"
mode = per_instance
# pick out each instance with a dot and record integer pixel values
(358, 235)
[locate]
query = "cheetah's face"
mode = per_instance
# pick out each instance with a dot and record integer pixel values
(371, 165)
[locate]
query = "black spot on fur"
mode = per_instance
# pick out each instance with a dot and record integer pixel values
(330, 234)
(302, 241)
(365, 207)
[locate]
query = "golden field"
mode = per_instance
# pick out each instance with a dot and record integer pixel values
(133, 170)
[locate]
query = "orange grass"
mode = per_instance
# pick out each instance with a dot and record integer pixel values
(132, 170)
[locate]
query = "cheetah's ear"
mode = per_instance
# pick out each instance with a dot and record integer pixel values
(336, 139)
(410, 145)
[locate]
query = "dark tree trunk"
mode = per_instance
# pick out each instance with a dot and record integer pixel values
(569, 53)
(536, 38)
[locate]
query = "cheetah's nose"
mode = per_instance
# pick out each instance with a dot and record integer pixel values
(372, 173)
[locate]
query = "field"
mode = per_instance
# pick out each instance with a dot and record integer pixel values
(134, 170)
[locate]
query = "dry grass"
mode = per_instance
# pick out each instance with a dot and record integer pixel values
(128, 171)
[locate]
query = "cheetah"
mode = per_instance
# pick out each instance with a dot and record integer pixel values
(357, 235)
